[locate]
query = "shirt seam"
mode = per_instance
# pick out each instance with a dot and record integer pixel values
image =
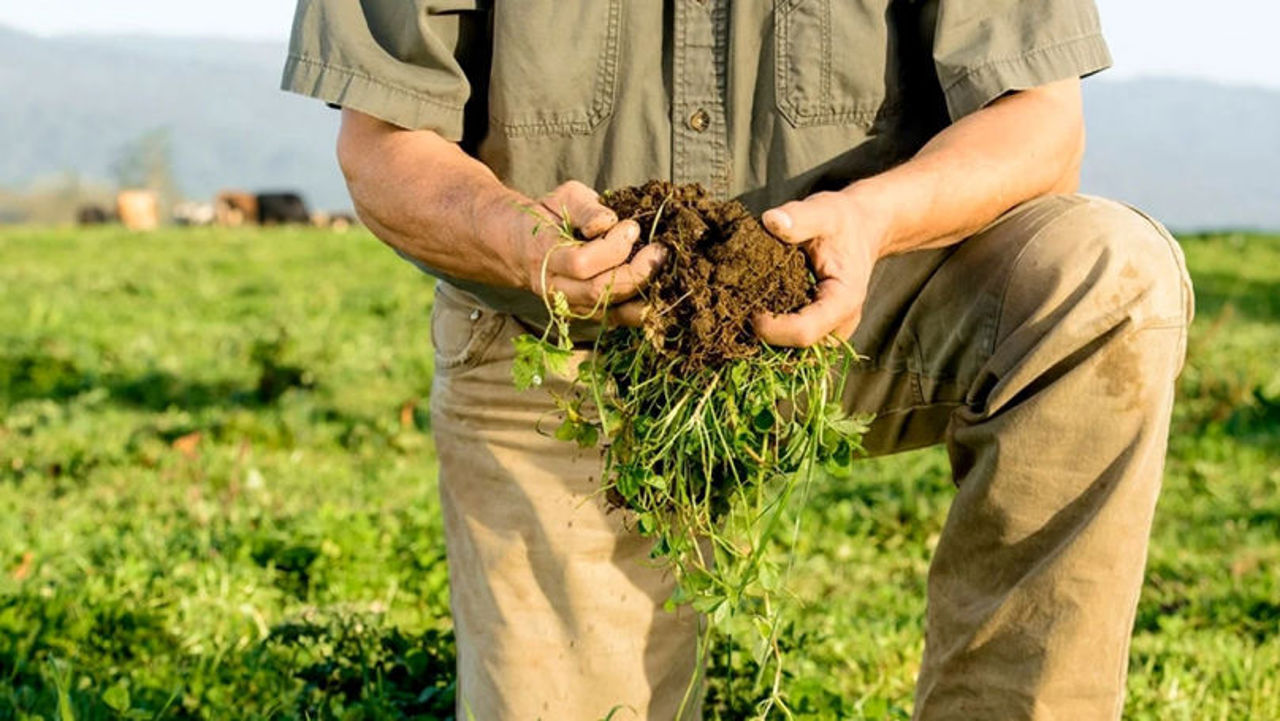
(1024, 55)
(720, 32)
(360, 75)
(680, 96)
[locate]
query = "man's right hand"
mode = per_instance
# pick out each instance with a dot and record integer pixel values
(424, 196)
(593, 272)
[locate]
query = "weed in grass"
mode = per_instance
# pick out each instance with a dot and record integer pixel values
(708, 433)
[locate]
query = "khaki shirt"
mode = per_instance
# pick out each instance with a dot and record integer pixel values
(763, 101)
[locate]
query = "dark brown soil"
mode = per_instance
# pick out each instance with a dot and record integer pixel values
(723, 267)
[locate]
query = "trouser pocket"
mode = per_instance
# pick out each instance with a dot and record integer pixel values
(463, 330)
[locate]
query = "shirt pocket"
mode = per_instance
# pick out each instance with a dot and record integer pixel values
(835, 61)
(555, 66)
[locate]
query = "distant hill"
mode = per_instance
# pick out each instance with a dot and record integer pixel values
(1195, 154)
(73, 103)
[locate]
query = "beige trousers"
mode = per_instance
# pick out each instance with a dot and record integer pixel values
(1042, 351)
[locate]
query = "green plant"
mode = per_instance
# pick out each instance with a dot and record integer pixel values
(708, 462)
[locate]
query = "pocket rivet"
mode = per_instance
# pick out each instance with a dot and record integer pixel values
(475, 314)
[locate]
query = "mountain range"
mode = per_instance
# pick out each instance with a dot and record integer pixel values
(1197, 155)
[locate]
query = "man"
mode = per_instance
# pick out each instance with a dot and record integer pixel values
(924, 154)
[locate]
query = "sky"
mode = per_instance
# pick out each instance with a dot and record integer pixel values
(1230, 41)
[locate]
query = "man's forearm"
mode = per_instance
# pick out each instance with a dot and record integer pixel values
(424, 196)
(1020, 147)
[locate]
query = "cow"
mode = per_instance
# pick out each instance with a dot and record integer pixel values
(192, 213)
(138, 209)
(92, 215)
(342, 222)
(282, 208)
(234, 208)
(339, 222)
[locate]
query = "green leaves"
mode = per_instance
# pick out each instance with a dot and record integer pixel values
(530, 365)
(708, 462)
(842, 442)
(839, 461)
(764, 420)
(536, 359)
(627, 481)
(849, 426)
(579, 431)
(117, 697)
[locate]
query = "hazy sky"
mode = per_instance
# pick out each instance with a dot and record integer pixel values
(1227, 40)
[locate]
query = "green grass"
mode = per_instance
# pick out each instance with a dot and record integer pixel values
(217, 496)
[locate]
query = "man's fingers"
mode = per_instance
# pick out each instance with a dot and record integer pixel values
(629, 314)
(582, 207)
(623, 282)
(612, 286)
(585, 260)
(830, 311)
(802, 220)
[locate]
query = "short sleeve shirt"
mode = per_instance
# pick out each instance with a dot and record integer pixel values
(762, 101)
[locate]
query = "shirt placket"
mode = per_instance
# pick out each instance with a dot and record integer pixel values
(700, 143)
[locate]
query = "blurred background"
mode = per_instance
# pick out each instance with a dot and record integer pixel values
(98, 93)
(217, 479)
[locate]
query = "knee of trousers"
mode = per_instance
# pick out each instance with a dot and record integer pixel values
(1091, 268)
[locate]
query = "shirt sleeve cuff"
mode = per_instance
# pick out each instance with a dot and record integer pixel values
(1074, 58)
(351, 88)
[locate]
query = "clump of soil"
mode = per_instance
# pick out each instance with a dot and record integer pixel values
(723, 267)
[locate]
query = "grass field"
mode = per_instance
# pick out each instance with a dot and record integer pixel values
(217, 496)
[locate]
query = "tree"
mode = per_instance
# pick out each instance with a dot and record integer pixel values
(147, 163)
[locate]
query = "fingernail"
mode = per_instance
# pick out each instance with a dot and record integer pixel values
(778, 219)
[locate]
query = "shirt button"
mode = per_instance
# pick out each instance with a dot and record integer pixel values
(475, 314)
(700, 121)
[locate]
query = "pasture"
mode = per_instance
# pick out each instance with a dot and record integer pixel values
(217, 496)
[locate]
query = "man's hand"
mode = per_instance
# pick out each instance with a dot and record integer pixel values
(592, 273)
(843, 241)
(422, 195)
(1021, 146)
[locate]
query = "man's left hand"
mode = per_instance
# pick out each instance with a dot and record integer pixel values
(843, 241)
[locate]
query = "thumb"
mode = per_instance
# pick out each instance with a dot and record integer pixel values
(803, 220)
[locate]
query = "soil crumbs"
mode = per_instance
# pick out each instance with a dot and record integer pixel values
(723, 267)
